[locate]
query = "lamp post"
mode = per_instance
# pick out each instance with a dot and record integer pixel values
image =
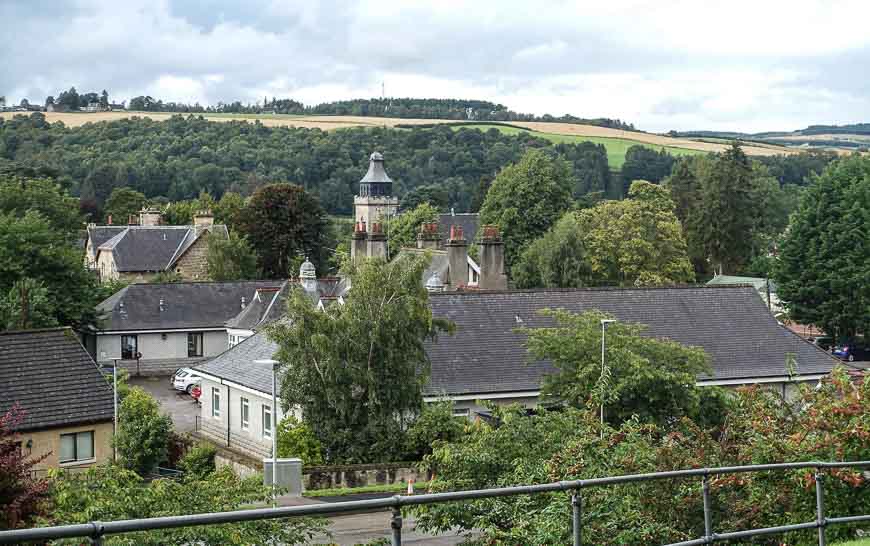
(274, 365)
(115, 405)
(604, 323)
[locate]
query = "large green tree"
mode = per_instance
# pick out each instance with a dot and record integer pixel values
(31, 247)
(124, 203)
(26, 306)
(651, 378)
(231, 259)
(634, 242)
(283, 222)
(824, 269)
(644, 163)
(357, 370)
(731, 210)
(20, 194)
(637, 241)
(526, 199)
(403, 229)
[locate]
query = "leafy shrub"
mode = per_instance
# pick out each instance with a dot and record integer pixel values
(109, 493)
(143, 433)
(827, 423)
(198, 462)
(297, 440)
(435, 424)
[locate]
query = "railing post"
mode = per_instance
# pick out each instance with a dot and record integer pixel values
(97, 537)
(820, 507)
(396, 525)
(576, 514)
(708, 514)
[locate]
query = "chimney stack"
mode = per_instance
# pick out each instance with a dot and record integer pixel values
(109, 220)
(377, 244)
(203, 219)
(428, 238)
(457, 259)
(492, 275)
(149, 217)
(358, 244)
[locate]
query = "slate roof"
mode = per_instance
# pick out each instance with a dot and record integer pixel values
(487, 355)
(237, 363)
(100, 234)
(470, 222)
(53, 378)
(185, 305)
(149, 248)
(266, 305)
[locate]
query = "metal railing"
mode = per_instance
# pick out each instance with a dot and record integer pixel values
(96, 530)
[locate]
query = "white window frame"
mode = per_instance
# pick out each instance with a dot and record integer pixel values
(267, 431)
(245, 413)
(75, 436)
(216, 402)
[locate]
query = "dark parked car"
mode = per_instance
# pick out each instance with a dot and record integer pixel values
(823, 342)
(852, 351)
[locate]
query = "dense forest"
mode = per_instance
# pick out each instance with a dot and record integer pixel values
(178, 158)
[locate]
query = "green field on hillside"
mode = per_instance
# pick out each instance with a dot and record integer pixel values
(616, 147)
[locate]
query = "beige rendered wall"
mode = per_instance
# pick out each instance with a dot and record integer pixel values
(48, 441)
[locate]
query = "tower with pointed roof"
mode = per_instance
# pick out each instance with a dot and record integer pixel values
(375, 203)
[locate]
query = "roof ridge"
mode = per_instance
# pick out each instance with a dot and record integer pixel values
(596, 289)
(35, 330)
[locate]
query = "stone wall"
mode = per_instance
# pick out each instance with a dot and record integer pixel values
(359, 475)
(193, 264)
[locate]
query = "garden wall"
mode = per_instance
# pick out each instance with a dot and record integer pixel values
(359, 475)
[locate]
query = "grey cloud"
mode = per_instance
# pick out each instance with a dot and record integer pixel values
(47, 46)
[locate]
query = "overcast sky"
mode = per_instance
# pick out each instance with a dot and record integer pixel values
(663, 64)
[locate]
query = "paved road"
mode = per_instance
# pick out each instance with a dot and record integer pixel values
(176, 404)
(354, 529)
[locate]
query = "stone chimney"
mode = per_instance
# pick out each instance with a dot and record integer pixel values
(377, 247)
(429, 237)
(492, 275)
(457, 259)
(203, 219)
(109, 220)
(149, 217)
(358, 244)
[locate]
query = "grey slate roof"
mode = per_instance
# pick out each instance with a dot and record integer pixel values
(150, 248)
(470, 222)
(267, 304)
(486, 355)
(237, 363)
(185, 305)
(100, 234)
(53, 378)
(732, 324)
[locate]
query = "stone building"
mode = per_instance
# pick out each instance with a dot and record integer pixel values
(139, 251)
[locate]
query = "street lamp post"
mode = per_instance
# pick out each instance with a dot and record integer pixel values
(115, 404)
(604, 323)
(274, 365)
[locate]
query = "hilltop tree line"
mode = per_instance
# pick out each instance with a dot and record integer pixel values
(456, 109)
(73, 101)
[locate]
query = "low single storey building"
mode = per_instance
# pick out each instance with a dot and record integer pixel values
(486, 358)
(68, 404)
